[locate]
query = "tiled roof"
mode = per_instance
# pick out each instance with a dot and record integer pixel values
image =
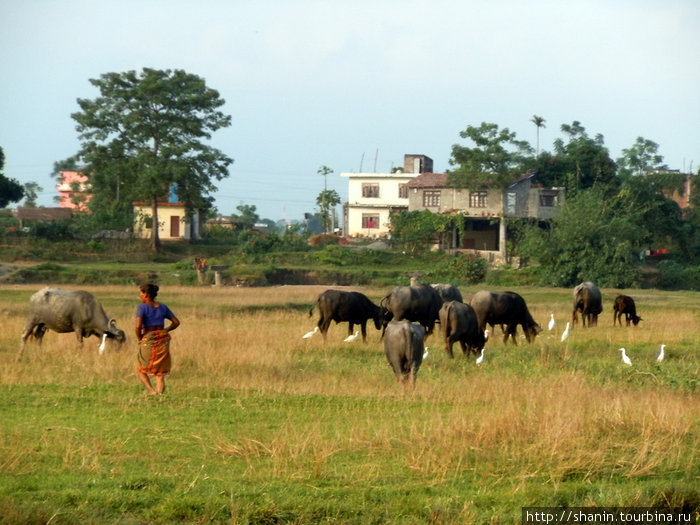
(428, 180)
(42, 214)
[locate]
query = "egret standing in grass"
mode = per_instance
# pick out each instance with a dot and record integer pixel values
(480, 359)
(552, 322)
(310, 334)
(565, 335)
(661, 355)
(625, 359)
(101, 348)
(351, 338)
(425, 353)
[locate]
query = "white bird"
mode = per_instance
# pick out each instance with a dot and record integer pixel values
(661, 355)
(625, 359)
(101, 348)
(486, 335)
(311, 333)
(565, 335)
(551, 323)
(480, 359)
(425, 353)
(351, 338)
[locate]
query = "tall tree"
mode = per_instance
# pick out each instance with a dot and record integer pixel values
(586, 160)
(495, 158)
(641, 158)
(31, 193)
(10, 189)
(326, 200)
(146, 132)
(539, 123)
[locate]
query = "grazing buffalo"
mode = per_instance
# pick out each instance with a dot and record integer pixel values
(403, 347)
(624, 304)
(588, 300)
(458, 323)
(448, 292)
(68, 311)
(419, 303)
(351, 307)
(504, 308)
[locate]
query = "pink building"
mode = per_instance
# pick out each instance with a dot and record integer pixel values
(73, 186)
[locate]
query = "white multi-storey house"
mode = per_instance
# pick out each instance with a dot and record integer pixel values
(372, 197)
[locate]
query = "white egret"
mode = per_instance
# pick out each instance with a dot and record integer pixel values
(486, 335)
(552, 322)
(307, 335)
(101, 348)
(661, 355)
(625, 359)
(565, 335)
(480, 359)
(351, 338)
(425, 353)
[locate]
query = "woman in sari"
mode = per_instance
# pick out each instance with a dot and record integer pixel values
(154, 338)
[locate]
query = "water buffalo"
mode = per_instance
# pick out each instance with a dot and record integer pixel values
(624, 304)
(419, 303)
(68, 311)
(352, 307)
(448, 292)
(403, 347)
(504, 308)
(458, 323)
(588, 300)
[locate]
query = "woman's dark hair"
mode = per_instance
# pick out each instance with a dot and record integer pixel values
(150, 289)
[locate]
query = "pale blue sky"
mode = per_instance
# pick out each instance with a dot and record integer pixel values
(351, 85)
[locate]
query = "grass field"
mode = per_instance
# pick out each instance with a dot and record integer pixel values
(261, 426)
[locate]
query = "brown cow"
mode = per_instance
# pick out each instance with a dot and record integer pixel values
(624, 304)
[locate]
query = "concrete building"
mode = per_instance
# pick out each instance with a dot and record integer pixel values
(372, 197)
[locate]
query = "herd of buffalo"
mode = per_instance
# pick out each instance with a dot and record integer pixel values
(408, 313)
(405, 315)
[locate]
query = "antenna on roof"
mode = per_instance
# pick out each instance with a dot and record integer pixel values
(376, 154)
(362, 159)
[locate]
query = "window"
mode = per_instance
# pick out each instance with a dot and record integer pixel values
(370, 190)
(547, 201)
(403, 191)
(478, 199)
(370, 221)
(431, 199)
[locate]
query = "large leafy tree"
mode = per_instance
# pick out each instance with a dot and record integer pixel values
(641, 158)
(494, 158)
(147, 131)
(585, 159)
(10, 189)
(592, 238)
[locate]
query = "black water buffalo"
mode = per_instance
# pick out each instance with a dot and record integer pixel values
(458, 323)
(68, 311)
(624, 304)
(504, 308)
(351, 307)
(403, 347)
(588, 300)
(448, 292)
(419, 303)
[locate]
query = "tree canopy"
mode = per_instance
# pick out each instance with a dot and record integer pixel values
(10, 189)
(146, 132)
(494, 159)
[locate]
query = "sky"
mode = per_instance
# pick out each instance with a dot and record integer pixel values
(355, 85)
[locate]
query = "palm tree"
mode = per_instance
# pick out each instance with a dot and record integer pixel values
(539, 122)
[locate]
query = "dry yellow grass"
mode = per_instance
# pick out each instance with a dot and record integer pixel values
(542, 413)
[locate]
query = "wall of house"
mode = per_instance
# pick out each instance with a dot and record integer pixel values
(451, 199)
(360, 206)
(65, 186)
(167, 213)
